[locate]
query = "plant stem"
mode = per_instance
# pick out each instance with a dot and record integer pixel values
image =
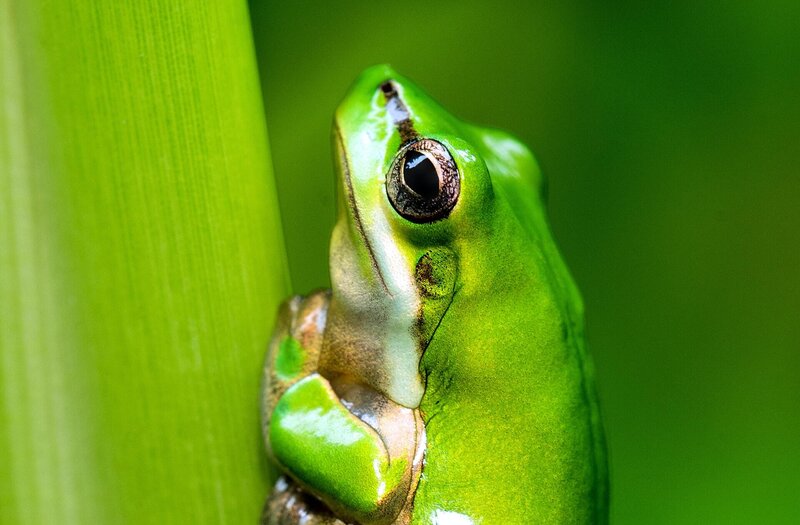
(141, 262)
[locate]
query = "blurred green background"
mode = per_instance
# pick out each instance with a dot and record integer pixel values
(670, 133)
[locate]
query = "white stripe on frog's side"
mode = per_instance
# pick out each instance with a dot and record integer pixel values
(402, 351)
(401, 347)
(371, 333)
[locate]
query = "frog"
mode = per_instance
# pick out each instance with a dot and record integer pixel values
(444, 377)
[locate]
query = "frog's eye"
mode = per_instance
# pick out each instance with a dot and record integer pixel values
(423, 183)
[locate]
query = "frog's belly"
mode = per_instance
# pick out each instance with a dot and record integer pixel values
(289, 505)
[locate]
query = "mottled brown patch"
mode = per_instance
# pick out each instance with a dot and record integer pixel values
(435, 273)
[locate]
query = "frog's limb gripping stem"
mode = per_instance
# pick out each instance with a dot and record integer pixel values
(342, 442)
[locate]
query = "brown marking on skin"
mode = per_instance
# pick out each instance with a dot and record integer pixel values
(399, 113)
(407, 131)
(388, 89)
(309, 324)
(424, 275)
(436, 277)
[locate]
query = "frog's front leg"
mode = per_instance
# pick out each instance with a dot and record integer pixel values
(343, 442)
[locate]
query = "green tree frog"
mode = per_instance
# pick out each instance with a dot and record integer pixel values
(444, 378)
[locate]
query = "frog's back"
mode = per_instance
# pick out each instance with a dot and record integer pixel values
(518, 391)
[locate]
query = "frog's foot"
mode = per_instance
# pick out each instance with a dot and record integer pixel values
(350, 447)
(350, 453)
(294, 348)
(290, 505)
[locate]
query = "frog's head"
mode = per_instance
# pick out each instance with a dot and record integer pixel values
(413, 189)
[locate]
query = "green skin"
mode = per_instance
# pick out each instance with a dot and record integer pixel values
(486, 345)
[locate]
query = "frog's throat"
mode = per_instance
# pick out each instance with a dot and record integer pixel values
(386, 322)
(353, 205)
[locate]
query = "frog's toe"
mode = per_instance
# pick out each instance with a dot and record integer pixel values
(290, 505)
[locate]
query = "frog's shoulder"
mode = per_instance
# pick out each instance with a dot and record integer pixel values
(515, 176)
(511, 163)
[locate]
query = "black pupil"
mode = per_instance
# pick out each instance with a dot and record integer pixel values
(419, 174)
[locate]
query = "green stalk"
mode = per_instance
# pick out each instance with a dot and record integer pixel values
(141, 263)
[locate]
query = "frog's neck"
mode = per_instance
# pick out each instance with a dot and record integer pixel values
(373, 349)
(371, 333)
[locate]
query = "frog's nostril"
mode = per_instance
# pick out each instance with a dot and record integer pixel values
(388, 89)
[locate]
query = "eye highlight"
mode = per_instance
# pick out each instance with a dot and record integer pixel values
(420, 174)
(423, 183)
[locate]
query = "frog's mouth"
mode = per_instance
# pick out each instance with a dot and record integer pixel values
(349, 194)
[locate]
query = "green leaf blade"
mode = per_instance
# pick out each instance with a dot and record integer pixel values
(142, 262)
